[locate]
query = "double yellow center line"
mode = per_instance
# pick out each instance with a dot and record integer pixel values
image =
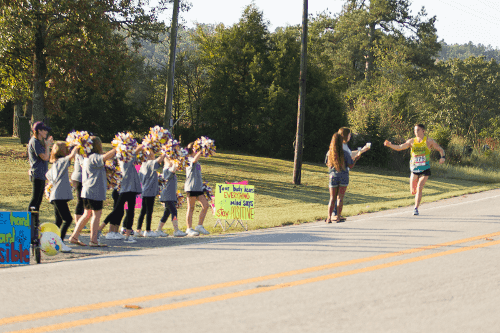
(258, 290)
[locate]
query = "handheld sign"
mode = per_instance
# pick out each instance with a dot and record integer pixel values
(234, 202)
(15, 238)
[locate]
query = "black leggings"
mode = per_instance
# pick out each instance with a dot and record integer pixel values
(61, 210)
(118, 211)
(114, 195)
(37, 193)
(146, 210)
(169, 209)
(79, 204)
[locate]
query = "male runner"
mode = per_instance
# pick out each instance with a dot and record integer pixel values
(420, 167)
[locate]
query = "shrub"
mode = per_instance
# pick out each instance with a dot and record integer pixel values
(442, 135)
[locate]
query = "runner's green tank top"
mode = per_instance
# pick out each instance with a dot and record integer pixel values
(420, 156)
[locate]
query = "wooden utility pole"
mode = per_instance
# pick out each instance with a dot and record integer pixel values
(169, 93)
(299, 137)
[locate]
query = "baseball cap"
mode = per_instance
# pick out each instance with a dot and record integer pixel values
(39, 125)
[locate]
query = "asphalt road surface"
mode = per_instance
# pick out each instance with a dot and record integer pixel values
(383, 272)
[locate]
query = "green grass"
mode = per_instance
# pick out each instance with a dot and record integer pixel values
(278, 201)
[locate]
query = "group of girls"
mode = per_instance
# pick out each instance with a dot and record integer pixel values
(90, 181)
(340, 159)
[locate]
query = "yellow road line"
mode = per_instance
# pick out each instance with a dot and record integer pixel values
(166, 307)
(96, 306)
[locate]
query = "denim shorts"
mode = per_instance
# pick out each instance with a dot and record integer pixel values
(340, 179)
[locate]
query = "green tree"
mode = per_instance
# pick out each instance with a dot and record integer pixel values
(325, 110)
(126, 105)
(236, 60)
(377, 53)
(398, 95)
(467, 95)
(464, 51)
(63, 38)
(363, 24)
(247, 82)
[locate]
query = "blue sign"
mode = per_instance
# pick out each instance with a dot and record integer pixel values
(15, 238)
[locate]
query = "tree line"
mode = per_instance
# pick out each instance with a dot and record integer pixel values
(375, 67)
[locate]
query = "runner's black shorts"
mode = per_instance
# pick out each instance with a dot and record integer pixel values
(426, 172)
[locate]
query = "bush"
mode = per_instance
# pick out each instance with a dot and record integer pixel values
(372, 131)
(461, 154)
(442, 135)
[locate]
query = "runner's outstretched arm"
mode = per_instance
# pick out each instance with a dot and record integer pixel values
(403, 146)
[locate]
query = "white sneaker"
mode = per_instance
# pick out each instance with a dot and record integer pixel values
(130, 240)
(149, 233)
(160, 233)
(179, 233)
(139, 233)
(201, 230)
(190, 232)
(122, 231)
(112, 235)
(119, 236)
(65, 248)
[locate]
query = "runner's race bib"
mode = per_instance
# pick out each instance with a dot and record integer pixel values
(419, 160)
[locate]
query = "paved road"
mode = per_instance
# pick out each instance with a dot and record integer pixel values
(382, 272)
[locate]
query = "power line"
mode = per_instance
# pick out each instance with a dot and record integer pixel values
(473, 12)
(490, 4)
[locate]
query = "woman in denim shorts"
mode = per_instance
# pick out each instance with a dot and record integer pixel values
(339, 162)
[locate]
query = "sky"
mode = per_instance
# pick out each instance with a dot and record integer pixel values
(458, 21)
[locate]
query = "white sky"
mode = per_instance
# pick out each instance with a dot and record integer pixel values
(458, 21)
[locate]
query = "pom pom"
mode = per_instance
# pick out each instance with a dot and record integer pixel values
(205, 145)
(162, 183)
(175, 153)
(157, 137)
(125, 145)
(113, 174)
(180, 163)
(147, 144)
(83, 139)
(171, 148)
(180, 200)
(160, 135)
(48, 190)
(140, 157)
(207, 190)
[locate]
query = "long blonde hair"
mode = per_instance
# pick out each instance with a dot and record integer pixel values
(59, 149)
(336, 153)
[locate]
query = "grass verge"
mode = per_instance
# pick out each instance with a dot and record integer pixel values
(278, 201)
